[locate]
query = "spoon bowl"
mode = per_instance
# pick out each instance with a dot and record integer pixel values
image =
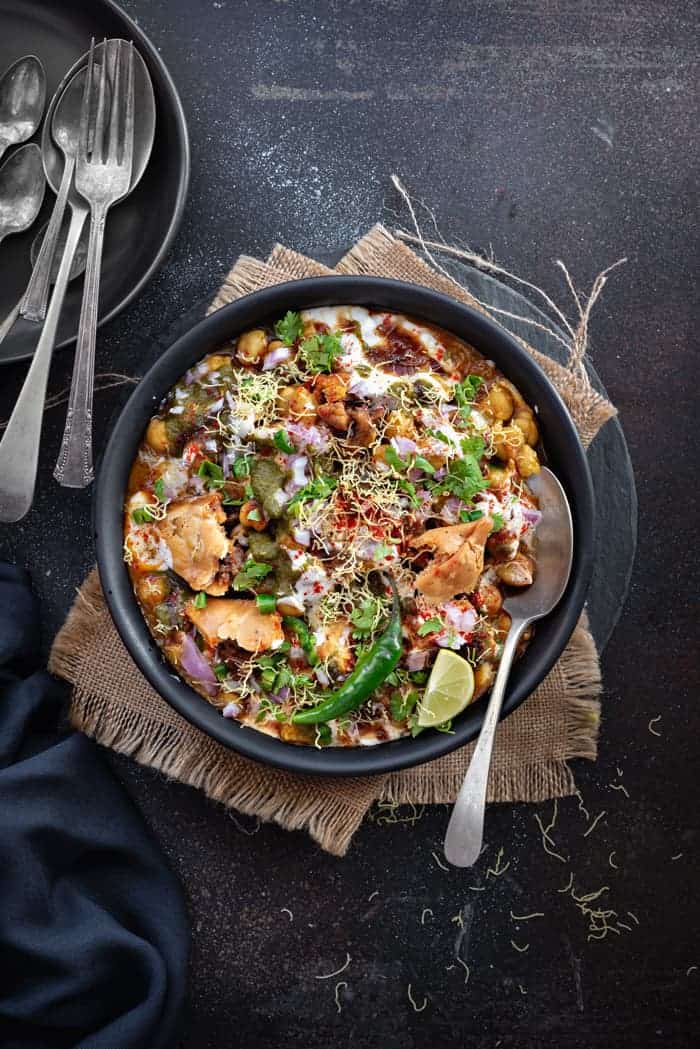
(22, 187)
(555, 550)
(22, 101)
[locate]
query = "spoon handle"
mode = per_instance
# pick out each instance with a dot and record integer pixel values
(19, 447)
(465, 831)
(74, 463)
(36, 296)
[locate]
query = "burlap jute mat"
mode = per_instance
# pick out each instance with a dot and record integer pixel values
(112, 702)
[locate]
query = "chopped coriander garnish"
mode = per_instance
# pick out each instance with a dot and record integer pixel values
(254, 514)
(289, 328)
(250, 574)
(319, 488)
(159, 489)
(228, 500)
(498, 522)
(221, 670)
(402, 706)
(465, 392)
(431, 626)
(200, 600)
(282, 442)
(392, 457)
(240, 467)
(212, 472)
(473, 446)
(323, 734)
(410, 490)
(249, 493)
(470, 515)
(365, 618)
(142, 515)
(421, 463)
(319, 352)
(439, 435)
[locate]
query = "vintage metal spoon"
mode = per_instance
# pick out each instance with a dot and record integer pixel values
(22, 187)
(76, 269)
(555, 540)
(19, 447)
(22, 100)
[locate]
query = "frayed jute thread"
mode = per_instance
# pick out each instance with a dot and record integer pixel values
(103, 381)
(113, 703)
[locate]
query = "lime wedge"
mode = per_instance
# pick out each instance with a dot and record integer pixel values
(449, 690)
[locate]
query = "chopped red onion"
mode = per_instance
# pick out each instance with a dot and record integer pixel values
(308, 436)
(533, 517)
(275, 357)
(195, 665)
(404, 445)
(298, 464)
(231, 710)
(302, 536)
(439, 474)
(216, 406)
(416, 660)
(322, 677)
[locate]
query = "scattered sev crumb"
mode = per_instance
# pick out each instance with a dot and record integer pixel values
(521, 950)
(341, 983)
(570, 885)
(692, 969)
(337, 972)
(581, 807)
(600, 921)
(521, 989)
(458, 920)
(467, 970)
(547, 840)
(286, 910)
(439, 862)
(448, 967)
(653, 722)
(677, 856)
(594, 823)
(526, 917)
(477, 888)
(497, 871)
(372, 895)
(426, 910)
(619, 786)
(622, 925)
(619, 772)
(634, 917)
(387, 812)
(416, 1008)
(610, 861)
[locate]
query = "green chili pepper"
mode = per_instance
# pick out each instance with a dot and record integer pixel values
(305, 639)
(371, 670)
(266, 603)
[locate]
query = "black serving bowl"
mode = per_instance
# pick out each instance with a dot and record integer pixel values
(565, 456)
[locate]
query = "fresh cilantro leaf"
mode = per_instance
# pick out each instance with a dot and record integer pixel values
(410, 490)
(250, 574)
(431, 626)
(282, 442)
(473, 446)
(423, 464)
(142, 515)
(445, 727)
(439, 435)
(241, 467)
(402, 706)
(392, 457)
(221, 670)
(319, 488)
(200, 600)
(289, 328)
(159, 489)
(465, 392)
(323, 734)
(416, 729)
(211, 472)
(319, 352)
(498, 522)
(470, 515)
(365, 617)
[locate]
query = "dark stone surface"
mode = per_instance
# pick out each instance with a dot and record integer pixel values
(558, 129)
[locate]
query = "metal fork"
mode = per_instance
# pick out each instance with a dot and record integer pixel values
(103, 178)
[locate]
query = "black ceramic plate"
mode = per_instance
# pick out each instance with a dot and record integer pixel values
(564, 454)
(59, 33)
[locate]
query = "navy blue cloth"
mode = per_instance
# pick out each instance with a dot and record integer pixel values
(93, 927)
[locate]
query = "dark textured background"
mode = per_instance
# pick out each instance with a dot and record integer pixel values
(543, 129)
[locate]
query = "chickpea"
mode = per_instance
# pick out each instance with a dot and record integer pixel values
(517, 572)
(253, 516)
(499, 402)
(503, 624)
(525, 421)
(497, 475)
(490, 598)
(483, 679)
(216, 361)
(527, 461)
(507, 441)
(152, 589)
(251, 346)
(297, 733)
(400, 424)
(297, 402)
(275, 344)
(157, 435)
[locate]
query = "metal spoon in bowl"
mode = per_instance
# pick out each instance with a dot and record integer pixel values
(555, 541)
(76, 269)
(22, 187)
(22, 100)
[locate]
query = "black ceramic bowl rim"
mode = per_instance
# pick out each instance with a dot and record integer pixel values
(565, 455)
